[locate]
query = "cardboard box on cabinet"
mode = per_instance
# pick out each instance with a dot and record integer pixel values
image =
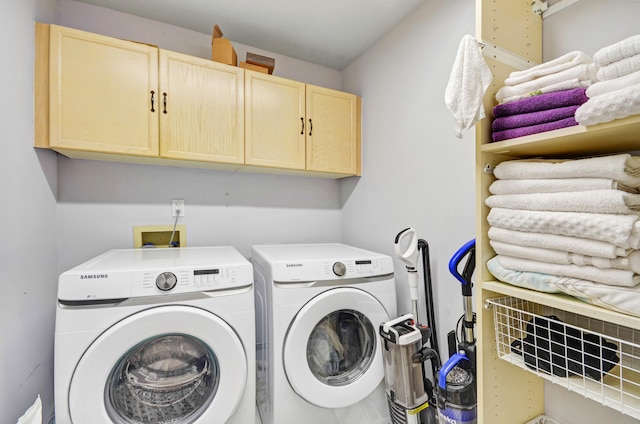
(253, 67)
(221, 48)
(264, 61)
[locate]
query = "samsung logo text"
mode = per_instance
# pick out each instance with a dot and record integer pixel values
(93, 276)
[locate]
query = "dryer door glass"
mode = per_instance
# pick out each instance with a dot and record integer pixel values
(341, 347)
(166, 379)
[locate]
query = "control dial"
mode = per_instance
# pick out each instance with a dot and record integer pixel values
(166, 281)
(339, 269)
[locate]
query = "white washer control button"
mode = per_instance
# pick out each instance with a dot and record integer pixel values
(166, 281)
(339, 269)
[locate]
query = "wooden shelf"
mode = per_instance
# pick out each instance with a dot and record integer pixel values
(563, 302)
(620, 135)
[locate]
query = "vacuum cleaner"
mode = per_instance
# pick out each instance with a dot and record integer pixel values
(457, 387)
(407, 345)
(404, 353)
(410, 393)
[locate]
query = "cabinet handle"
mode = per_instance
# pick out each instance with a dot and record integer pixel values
(310, 126)
(302, 122)
(164, 102)
(153, 93)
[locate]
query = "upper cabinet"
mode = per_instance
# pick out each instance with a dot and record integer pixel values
(201, 110)
(333, 134)
(275, 123)
(294, 125)
(104, 98)
(101, 94)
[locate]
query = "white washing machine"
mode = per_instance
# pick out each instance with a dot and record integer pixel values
(156, 335)
(318, 310)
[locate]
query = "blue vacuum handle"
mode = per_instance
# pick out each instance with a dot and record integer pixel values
(469, 247)
(448, 366)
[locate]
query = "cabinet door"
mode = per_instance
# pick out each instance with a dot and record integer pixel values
(100, 92)
(203, 117)
(275, 121)
(333, 131)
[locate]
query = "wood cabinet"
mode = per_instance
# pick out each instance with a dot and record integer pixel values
(275, 135)
(333, 139)
(99, 94)
(104, 98)
(508, 393)
(201, 107)
(300, 126)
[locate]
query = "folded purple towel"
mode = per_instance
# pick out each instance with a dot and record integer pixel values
(575, 96)
(533, 129)
(533, 118)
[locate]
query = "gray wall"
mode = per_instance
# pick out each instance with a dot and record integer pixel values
(28, 263)
(416, 172)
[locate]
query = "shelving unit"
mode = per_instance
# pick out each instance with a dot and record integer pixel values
(509, 391)
(618, 387)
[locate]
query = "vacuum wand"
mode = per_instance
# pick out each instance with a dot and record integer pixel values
(468, 320)
(406, 247)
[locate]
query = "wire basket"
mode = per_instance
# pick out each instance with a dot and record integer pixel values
(597, 359)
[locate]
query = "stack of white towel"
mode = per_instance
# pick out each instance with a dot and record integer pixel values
(616, 93)
(572, 70)
(569, 226)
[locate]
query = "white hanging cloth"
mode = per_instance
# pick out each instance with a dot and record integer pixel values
(468, 82)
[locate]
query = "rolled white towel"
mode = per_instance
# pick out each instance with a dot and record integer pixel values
(595, 201)
(604, 87)
(554, 66)
(620, 230)
(622, 167)
(614, 277)
(607, 107)
(579, 245)
(628, 263)
(557, 185)
(625, 48)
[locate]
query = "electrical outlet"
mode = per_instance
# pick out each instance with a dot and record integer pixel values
(177, 206)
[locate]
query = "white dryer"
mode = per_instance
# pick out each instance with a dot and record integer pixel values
(156, 335)
(318, 310)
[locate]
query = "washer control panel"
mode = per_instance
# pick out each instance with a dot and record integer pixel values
(190, 280)
(125, 273)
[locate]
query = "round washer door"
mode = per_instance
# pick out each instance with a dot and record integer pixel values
(165, 364)
(332, 354)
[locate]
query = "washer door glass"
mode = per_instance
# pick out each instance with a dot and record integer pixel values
(165, 379)
(332, 355)
(166, 364)
(341, 347)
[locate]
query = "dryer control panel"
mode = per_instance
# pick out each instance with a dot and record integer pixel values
(322, 270)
